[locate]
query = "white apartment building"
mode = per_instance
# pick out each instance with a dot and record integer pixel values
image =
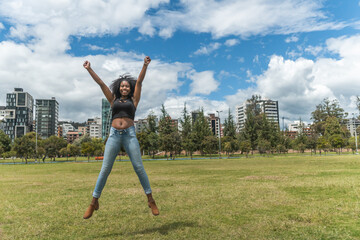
(142, 124)
(214, 124)
(95, 130)
(67, 127)
(267, 106)
(295, 126)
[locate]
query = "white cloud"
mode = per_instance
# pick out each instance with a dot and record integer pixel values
(231, 42)
(291, 39)
(147, 29)
(63, 77)
(246, 18)
(202, 82)
(299, 85)
(206, 50)
(174, 105)
(241, 59)
(314, 50)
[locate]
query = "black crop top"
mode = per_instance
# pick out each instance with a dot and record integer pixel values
(123, 108)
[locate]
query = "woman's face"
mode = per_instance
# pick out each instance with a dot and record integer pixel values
(124, 88)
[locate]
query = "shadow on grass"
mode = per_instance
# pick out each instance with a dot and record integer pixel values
(166, 228)
(163, 230)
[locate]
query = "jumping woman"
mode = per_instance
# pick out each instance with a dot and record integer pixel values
(124, 97)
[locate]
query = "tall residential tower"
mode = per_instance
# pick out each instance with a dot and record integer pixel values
(46, 117)
(19, 113)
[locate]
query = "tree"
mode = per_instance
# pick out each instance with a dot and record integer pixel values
(153, 141)
(88, 149)
(229, 145)
(301, 141)
(186, 133)
(264, 146)
(323, 144)
(245, 147)
(52, 146)
(79, 141)
(98, 146)
(229, 126)
(209, 144)
(93, 147)
(5, 141)
(1, 150)
(10, 154)
(189, 144)
(143, 141)
(64, 152)
(252, 122)
(325, 110)
(73, 150)
(24, 147)
(168, 134)
(337, 141)
(148, 138)
(201, 130)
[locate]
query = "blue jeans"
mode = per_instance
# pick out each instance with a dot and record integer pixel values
(127, 138)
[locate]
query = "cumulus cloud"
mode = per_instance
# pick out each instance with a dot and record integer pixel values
(174, 105)
(202, 82)
(206, 50)
(314, 50)
(299, 85)
(291, 39)
(64, 77)
(231, 42)
(245, 18)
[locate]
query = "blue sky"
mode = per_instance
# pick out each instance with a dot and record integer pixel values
(210, 54)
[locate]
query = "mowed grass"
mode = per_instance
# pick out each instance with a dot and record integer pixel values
(290, 197)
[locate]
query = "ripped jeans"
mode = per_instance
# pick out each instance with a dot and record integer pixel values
(127, 138)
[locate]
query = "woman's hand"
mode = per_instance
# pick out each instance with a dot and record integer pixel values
(147, 60)
(87, 65)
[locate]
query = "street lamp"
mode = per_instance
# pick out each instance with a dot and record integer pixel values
(219, 134)
(36, 127)
(356, 145)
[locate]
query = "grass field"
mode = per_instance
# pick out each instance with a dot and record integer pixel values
(289, 197)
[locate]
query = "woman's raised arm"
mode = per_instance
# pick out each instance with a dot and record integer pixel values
(108, 94)
(137, 91)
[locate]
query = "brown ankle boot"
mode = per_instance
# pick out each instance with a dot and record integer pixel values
(152, 205)
(94, 205)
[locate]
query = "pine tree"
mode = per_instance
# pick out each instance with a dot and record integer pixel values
(229, 126)
(201, 130)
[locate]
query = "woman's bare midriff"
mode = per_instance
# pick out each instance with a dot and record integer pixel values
(122, 123)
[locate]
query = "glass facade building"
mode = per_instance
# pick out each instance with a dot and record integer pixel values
(46, 117)
(19, 113)
(105, 118)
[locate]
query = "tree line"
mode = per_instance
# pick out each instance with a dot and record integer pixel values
(28, 146)
(327, 132)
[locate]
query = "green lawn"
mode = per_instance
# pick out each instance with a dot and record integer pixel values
(290, 197)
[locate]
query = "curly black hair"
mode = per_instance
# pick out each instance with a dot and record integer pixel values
(115, 85)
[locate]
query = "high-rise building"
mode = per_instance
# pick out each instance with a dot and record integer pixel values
(19, 113)
(105, 118)
(214, 124)
(46, 117)
(268, 107)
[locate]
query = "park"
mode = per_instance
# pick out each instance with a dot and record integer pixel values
(293, 196)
